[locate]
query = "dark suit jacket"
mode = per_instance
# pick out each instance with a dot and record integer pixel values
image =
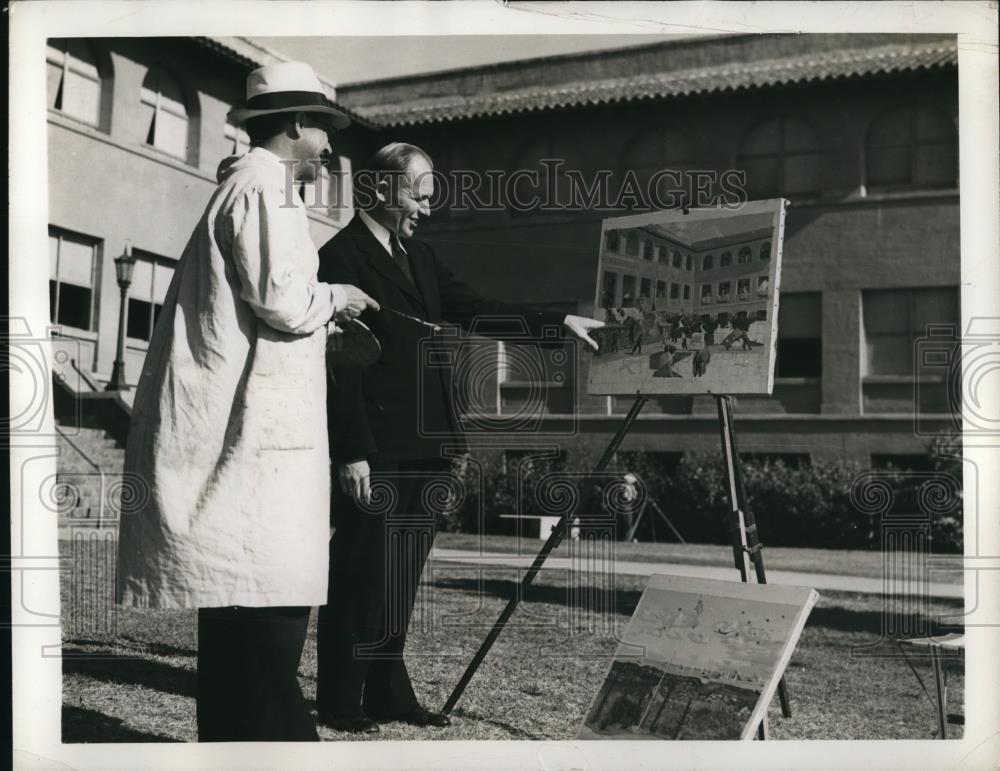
(401, 407)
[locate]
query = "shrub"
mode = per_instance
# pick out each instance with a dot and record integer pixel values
(809, 506)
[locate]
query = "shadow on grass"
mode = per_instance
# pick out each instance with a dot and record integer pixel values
(624, 602)
(873, 622)
(133, 645)
(514, 731)
(130, 670)
(81, 726)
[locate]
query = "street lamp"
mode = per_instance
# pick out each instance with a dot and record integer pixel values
(123, 272)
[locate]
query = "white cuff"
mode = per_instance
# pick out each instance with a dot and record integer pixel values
(338, 297)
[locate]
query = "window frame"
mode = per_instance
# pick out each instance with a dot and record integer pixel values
(185, 154)
(154, 260)
(911, 112)
(92, 308)
(912, 334)
(65, 66)
(781, 155)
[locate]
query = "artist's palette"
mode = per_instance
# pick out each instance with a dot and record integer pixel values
(352, 344)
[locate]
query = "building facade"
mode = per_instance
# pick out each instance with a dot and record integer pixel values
(136, 131)
(858, 132)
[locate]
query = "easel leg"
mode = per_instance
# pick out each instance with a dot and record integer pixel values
(939, 685)
(553, 541)
(747, 549)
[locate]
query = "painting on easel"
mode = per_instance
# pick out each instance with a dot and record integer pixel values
(700, 659)
(691, 301)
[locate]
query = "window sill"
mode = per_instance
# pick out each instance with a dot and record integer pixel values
(136, 344)
(797, 381)
(73, 120)
(72, 333)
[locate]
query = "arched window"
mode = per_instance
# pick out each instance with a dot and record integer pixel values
(655, 150)
(708, 263)
(632, 244)
(613, 242)
(165, 115)
(661, 255)
(780, 155)
(690, 263)
(765, 250)
(676, 259)
(74, 83)
(237, 140)
(913, 146)
(745, 255)
(725, 260)
(647, 250)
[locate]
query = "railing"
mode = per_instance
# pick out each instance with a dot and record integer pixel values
(85, 375)
(92, 464)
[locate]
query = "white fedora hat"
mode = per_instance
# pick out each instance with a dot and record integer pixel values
(286, 87)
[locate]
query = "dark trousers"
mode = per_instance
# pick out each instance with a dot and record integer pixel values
(248, 688)
(377, 554)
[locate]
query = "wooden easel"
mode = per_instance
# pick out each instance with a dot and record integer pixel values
(746, 542)
(747, 548)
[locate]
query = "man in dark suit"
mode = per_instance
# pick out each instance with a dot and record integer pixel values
(390, 422)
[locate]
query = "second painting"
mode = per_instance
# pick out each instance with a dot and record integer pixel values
(690, 301)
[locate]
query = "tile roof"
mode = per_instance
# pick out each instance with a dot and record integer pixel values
(729, 76)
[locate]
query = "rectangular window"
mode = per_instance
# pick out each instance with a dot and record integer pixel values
(687, 291)
(743, 289)
(724, 288)
(800, 348)
(74, 84)
(675, 291)
(72, 262)
(609, 290)
(894, 319)
(150, 279)
(661, 289)
(706, 294)
(628, 291)
(645, 287)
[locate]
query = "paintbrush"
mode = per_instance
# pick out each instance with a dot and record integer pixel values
(414, 319)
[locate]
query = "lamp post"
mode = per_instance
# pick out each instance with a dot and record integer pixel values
(123, 272)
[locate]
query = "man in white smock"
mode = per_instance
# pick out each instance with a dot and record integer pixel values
(228, 439)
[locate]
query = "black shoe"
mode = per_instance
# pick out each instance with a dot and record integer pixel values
(418, 717)
(355, 724)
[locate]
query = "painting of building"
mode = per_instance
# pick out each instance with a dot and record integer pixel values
(670, 343)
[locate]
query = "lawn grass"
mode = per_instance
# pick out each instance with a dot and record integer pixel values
(135, 680)
(845, 562)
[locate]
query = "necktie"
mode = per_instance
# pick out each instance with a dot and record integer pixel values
(401, 258)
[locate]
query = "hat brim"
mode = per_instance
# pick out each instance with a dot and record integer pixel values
(239, 115)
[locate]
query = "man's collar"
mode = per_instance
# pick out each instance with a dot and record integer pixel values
(381, 232)
(263, 154)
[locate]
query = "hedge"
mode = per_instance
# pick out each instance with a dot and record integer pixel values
(829, 504)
